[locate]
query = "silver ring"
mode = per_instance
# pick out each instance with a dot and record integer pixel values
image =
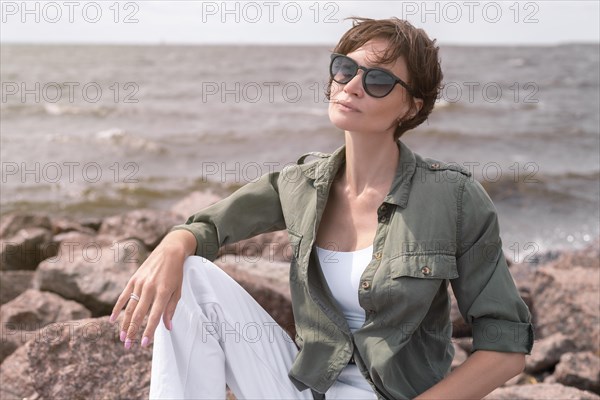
(134, 296)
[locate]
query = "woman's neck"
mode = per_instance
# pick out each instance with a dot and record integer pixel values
(371, 162)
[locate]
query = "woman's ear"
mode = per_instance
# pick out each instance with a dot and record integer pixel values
(418, 106)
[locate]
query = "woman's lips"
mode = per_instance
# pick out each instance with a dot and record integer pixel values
(347, 106)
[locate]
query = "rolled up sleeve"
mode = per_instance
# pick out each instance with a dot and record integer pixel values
(252, 209)
(485, 291)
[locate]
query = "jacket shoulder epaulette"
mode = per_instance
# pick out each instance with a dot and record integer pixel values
(312, 153)
(436, 165)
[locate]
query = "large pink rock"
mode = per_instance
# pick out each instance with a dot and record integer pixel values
(15, 381)
(85, 360)
(28, 316)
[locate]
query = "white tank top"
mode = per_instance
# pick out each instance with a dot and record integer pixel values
(342, 271)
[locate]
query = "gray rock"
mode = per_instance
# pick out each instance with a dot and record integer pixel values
(267, 283)
(566, 298)
(13, 283)
(148, 226)
(12, 223)
(64, 224)
(93, 276)
(26, 248)
(547, 351)
(581, 370)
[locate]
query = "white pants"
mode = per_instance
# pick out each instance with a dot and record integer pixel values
(221, 335)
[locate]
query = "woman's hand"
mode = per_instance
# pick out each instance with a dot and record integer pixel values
(158, 284)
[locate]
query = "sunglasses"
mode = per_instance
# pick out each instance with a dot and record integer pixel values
(377, 82)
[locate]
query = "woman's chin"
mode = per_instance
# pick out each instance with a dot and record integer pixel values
(343, 122)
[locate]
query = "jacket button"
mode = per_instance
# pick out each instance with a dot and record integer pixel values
(426, 270)
(383, 219)
(382, 208)
(378, 256)
(435, 165)
(365, 284)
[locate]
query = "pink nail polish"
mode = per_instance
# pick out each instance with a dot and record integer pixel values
(127, 343)
(123, 335)
(145, 341)
(112, 318)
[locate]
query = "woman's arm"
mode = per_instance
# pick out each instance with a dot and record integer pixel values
(478, 376)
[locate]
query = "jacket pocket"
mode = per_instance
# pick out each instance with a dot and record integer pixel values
(424, 266)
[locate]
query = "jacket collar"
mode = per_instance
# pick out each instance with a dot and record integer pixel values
(324, 171)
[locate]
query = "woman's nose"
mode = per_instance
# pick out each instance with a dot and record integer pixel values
(355, 85)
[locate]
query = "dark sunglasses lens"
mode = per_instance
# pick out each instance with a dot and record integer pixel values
(343, 69)
(379, 83)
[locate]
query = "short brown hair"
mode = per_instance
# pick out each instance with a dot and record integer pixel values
(419, 51)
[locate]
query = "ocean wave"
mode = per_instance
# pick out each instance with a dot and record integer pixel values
(54, 109)
(537, 188)
(121, 138)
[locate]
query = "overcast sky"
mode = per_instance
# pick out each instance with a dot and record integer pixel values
(297, 22)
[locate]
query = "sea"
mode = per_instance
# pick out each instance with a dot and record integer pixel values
(96, 130)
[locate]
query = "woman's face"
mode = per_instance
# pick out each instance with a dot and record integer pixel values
(369, 115)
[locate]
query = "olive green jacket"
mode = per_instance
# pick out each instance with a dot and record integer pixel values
(437, 225)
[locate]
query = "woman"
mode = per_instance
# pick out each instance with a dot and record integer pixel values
(377, 232)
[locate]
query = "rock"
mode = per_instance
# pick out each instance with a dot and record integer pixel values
(149, 226)
(87, 360)
(15, 382)
(521, 379)
(13, 283)
(547, 351)
(93, 276)
(267, 247)
(588, 257)
(460, 356)
(581, 370)
(268, 284)
(24, 318)
(194, 202)
(63, 224)
(13, 223)
(77, 239)
(465, 343)
(567, 301)
(460, 328)
(540, 391)
(26, 248)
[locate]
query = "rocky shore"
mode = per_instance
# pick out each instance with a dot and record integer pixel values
(60, 277)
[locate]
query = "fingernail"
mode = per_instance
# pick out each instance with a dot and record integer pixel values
(145, 341)
(127, 343)
(123, 335)
(112, 317)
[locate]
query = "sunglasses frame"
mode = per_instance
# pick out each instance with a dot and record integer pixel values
(364, 76)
